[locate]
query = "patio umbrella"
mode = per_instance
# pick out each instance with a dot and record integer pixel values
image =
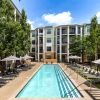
(10, 58)
(96, 62)
(74, 57)
(27, 57)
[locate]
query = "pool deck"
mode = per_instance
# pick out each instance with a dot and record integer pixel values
(9, 91)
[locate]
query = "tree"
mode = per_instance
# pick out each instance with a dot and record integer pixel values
(75, 46)
(93, 38)
(25, 44)
(14, 36)
(78, 46)
(6, 17)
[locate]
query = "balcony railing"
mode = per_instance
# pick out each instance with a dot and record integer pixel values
(64, 32)
(41, 51)
(63, 51)
(71, 32)
(64, 42)
(41, 42)
(33, 50)
(41, 34)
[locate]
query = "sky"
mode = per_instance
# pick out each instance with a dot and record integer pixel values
(42, 13)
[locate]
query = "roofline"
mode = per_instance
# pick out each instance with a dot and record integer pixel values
(15, 7)
(62, 26)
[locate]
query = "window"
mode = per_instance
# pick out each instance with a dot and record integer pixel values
(48, 31)
(64, 31)
(58, 31)
(33, 49)
(48, 40)
(48, 56)
(73, 30)
(48, 48)
(78, 30)
(33, 34)
(88, 29)
(33, 41)
(40, 30)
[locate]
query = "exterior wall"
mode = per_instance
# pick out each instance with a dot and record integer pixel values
(60, 41)
(16, 12)
(50, 60)
(49, 53)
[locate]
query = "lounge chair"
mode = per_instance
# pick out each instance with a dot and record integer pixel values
(85, 70)
(92, 75)
(3, 81)
(96, 80)
(25, 68)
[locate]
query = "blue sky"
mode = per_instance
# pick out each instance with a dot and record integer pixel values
(58, 12)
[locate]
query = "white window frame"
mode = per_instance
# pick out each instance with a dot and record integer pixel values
(47, 49)
(48, 29)
(48, 39)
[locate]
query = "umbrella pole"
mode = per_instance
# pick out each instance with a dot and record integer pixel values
(6, 65)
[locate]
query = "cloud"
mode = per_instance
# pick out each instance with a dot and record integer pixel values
(58, 19)
(41, 24)
(98, 16)
(31, 24)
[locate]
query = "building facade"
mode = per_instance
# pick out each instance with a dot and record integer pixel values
(16, 12)
(51, 42)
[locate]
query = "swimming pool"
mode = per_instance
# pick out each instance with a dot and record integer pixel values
(49, 82)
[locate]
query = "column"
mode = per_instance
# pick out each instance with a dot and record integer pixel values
(38, 46)
(43, 44)
(60, 43)
(56, 43)
(15, 13)
(35, 45)
(81, 32)
(67, 43)
(76, 30)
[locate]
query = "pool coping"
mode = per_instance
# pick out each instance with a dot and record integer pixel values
(85, 95)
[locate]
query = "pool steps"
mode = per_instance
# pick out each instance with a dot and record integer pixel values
(64, 84)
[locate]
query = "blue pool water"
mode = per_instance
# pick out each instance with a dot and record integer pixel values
(49, 82)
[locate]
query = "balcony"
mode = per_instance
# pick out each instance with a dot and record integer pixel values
(58, 42)
(71, 32)
(64, 51)
(57, 51)
(41, 51)
(64, 32)
(64, 42)
(36, 42)
(58, 33)
(41, 42)
(33, 42)
(40, 34)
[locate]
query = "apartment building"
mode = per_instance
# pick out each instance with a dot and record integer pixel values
(51, 43)
(16, 12)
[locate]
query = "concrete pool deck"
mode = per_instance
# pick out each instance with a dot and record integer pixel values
(9, 91)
